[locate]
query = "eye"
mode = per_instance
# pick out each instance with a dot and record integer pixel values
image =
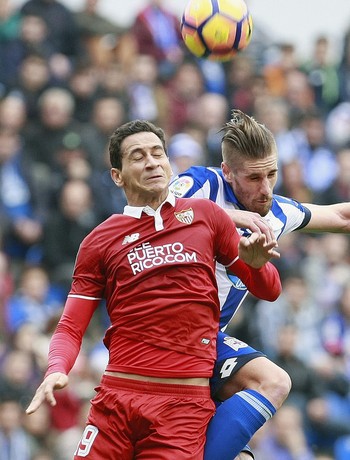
(158, 153)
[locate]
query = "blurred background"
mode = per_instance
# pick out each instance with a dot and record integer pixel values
(284, 20)
(70, 72)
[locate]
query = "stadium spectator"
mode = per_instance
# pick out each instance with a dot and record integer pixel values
(284, 437)
(35, 301)
(344, 70)
(107, 112)
(240, 76)
(338, 125)
(15, 442)
(66, 227)
(317, 159)
(296, 306)
(184, 152)
(156, 31)
(83, 83)
(148, 98)
(299, 96)
(339, 189)
(321, 70)
(306, 381)
(113, 82)
(45, 136)
(22, 207)
(6, 289)
(282, 61)
(13, 112)
(10, 21)
(183, 92)
(33, 78)
(99, 35)
(210, 114)
(293, 184)
(61, 24)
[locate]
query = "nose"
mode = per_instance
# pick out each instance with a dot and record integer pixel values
(151, 161)
(265, 186)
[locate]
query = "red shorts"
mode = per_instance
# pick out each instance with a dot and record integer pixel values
(131, 419)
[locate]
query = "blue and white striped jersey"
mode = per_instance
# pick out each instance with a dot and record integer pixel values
(284, 216)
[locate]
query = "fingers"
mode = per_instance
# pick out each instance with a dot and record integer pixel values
(261, 227)
(275, 254)
(45, 392)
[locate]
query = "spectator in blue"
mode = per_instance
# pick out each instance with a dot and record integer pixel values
(35, 301)
(21, 208)
(316, 157)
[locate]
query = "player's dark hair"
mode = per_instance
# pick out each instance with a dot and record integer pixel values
(128, 129)
(245, 137)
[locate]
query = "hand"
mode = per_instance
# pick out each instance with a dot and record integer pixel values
(252, 221)
(55, 381)
(255, 251)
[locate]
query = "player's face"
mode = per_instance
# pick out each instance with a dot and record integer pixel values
(253, 182)
(146, 170)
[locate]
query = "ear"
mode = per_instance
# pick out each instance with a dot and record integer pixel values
(116, 176)
(226, 171)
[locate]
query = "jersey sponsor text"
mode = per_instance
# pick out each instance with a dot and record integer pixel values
(147, 256)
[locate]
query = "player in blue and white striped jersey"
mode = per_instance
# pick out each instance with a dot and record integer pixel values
(284, 216)
(251, 386)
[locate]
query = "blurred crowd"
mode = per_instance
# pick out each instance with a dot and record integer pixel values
(67, 79)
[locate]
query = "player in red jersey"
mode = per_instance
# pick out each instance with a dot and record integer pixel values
(155, 266)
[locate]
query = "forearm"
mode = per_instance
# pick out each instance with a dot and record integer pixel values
(67, 339)
(264, 283)
(63, 351)
(332, 218)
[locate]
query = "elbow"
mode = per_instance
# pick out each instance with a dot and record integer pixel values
(275, 291)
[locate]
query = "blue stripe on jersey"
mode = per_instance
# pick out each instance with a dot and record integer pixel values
(285, 216)
(233, 301)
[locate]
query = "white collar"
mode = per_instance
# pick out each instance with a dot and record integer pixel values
(136, 211)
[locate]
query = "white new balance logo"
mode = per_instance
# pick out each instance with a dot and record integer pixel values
(131, 238)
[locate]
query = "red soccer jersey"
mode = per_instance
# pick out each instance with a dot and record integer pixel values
(156, 270)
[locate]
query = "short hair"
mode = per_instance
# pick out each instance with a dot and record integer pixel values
(245, 137)
(128, 129)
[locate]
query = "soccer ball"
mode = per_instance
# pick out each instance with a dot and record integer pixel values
(216, 29)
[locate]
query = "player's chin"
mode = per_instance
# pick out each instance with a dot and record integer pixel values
(263, 207)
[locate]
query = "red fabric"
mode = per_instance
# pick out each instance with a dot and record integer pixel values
(65, 414)
(159, 420)
(160, 286)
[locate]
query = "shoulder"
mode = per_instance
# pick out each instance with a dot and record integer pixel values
(194, 179)
(202, 207)
(109, 225)
(289, 204)
(291, 213)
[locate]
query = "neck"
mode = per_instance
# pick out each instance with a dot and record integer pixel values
(153, 201)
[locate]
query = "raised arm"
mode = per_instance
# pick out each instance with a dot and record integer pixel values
(252, 266)
(252, 221)
(333, 218)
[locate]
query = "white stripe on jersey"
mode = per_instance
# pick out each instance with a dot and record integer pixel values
(284, 216)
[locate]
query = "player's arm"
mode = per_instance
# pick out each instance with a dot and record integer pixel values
(252, 266)
(331, 218)
(251, 221)
(64, 349)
